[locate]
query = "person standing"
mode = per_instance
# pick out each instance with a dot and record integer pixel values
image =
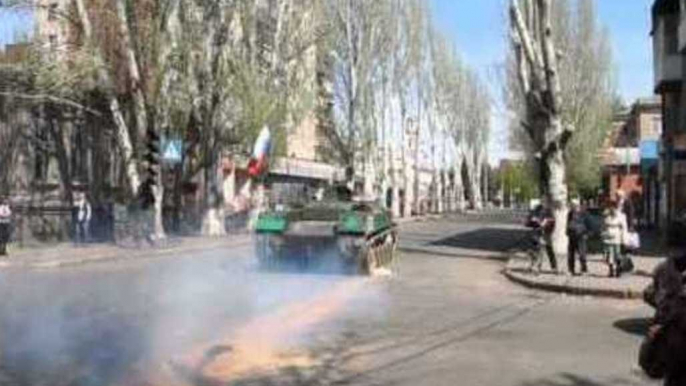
(5, 225)
(577, 231)
(614, 228)
(83, 217)
(544, 225)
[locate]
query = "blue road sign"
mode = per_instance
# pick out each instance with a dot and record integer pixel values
(172, 150)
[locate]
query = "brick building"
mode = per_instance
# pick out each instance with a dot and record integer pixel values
(631, 158)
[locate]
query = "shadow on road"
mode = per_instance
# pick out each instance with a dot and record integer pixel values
(568, 379)
(486, 239)
(634, 326)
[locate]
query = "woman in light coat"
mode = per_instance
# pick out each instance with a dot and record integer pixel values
(614, 229)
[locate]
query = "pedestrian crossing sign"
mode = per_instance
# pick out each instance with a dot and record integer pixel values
(172, 150)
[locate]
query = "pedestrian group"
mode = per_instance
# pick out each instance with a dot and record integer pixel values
(617, 231)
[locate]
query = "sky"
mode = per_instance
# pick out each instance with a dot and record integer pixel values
(478, 28)
(13, 25)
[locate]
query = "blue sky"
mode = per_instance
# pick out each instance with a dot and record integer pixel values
(13, 25)
(478, 28)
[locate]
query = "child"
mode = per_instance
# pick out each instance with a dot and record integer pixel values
(614, 227)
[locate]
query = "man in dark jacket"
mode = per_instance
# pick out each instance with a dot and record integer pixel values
(577, 230)
(669, 324)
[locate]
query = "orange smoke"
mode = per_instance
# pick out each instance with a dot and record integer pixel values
(262, 346)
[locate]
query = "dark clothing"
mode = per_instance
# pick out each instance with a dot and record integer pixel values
(630, 212)
(674, 328)
(4, 237)
(5, 227)
(669, 298)
(81, 236)
(578, 227)
(668, 284)
(578, 245)
(577, 224)
(544, 245)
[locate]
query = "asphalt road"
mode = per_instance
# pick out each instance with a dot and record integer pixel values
(212, 319)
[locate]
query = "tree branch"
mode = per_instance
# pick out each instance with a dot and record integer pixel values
(530, 51)
(51, 98)
(549, 57)
(558, 143)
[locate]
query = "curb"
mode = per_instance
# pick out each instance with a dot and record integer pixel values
(406, 220)
(121, 256)
(628, 294)
(426, 251)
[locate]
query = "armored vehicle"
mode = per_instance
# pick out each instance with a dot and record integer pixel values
(332, 231)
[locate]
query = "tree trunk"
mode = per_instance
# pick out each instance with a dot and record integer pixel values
(557, 200)
(62, 158)
(442, 193)
(459, 183)
(472, 186)
(477, 183)
(134, 72)
(385, 185)
(368, 177)
(158, 226)
(407, 186)
(122, 131)
(213, 222)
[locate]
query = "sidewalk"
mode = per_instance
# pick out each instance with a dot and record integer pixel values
(66, 254)
(596, 283)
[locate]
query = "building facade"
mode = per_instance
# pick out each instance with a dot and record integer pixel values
(631, 158)
(646, 121)
(621, 159)
(669, 48)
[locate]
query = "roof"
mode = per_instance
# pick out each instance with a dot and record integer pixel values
(646, 103)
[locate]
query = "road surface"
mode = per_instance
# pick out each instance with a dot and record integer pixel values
(212, 319)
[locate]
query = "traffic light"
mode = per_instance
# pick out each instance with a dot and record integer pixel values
(152, 154)
(153, 168)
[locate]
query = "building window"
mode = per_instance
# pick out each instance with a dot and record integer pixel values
(52, 11)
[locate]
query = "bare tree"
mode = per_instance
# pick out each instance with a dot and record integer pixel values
(537, 69)
(355, 33)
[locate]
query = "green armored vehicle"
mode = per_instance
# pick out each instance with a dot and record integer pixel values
(333, 232)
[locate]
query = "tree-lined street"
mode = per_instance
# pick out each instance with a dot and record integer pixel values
(342, 192)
